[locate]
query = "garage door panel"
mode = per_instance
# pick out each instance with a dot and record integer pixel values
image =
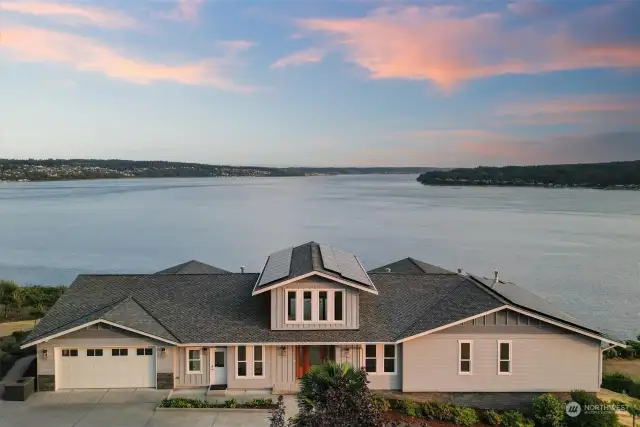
(114, 369)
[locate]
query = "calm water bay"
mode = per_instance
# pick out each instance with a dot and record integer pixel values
(577, 248)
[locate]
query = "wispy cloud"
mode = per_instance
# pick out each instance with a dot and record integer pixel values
(185, 11)
(573, 109)
(29, 44)
(72, 14)
(300, 58)
(445, 46)
(236, 45)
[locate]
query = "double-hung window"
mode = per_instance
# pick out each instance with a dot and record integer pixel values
(250, 361)
(194, 360)
(504, 357)
(380, 358)
(465, 354)
(370, 358)
(292, 306)
(314, 306)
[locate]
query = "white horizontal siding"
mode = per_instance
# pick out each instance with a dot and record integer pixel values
(541, 362)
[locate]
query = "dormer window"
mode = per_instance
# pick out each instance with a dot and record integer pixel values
(313, 306)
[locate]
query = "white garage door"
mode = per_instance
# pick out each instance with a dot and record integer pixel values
(105, 367)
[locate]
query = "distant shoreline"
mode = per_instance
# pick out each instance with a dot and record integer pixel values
(552, 187)
(14, 170)
(600, 176)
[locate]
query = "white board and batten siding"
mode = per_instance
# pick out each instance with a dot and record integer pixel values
(184, 379)
(544, 358)
(104, 371)
(351, 307)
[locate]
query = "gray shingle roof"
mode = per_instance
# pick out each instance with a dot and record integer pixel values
(193, 267)
(522, 298)
(308, 258)
(220, 308)
(411, 266)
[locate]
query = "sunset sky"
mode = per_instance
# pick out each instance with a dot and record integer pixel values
(328, 83)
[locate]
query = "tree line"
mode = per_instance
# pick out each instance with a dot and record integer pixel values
(40, 298)
(594, 175)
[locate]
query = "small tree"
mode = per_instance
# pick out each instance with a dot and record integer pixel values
(277, 416)
(18, 298)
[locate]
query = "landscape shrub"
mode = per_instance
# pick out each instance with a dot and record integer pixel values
(315, 383)
(345, 399)
(515, 419)
(231, 403)
(260, 402)
(181, 402)
(464, 416)
(411, 408)
(381, 403)
(604, 417)
(276, 419)
(491, 417)
(439, 411)
(548, 411)
(621, 382)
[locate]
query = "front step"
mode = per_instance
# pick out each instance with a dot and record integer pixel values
(217, 390)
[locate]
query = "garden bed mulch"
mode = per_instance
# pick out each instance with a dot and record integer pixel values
(405, 420)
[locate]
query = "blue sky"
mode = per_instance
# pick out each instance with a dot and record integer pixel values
(321, 82)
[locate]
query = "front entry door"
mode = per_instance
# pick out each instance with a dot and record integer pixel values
(310, 355)
(219, 366)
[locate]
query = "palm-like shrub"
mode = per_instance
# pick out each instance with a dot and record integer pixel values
(336, 395)
(315, 383)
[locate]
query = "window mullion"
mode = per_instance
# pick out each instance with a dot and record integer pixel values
(330, 313)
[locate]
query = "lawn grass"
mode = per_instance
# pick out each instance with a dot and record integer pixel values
(22, 325)
(627, 366)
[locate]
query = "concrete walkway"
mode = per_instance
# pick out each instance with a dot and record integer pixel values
(16, 372)
(114, 408)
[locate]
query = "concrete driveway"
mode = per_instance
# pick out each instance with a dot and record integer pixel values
(113, 408)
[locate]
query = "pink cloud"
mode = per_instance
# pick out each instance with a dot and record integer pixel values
(576, 109)
(237, 45)
(28, 44)
(73, 14)
(299, 58)
(441, 45)
(185, 11)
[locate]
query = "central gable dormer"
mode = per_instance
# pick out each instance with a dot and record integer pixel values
(314, 286)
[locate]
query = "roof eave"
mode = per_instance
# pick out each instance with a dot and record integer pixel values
(275, 285)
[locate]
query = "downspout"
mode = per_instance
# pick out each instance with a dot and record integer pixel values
(601, 363)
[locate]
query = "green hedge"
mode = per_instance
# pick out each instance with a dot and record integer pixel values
(433, 410)
(181, 402)
(621, 382)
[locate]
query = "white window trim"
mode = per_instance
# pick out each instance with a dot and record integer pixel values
(249, 360)
(188, 359)
(380, 359)
(315, 307)
(460, 360)
(253, 361)
(510, 357)
(286, 305)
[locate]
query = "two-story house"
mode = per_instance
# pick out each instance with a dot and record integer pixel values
(414, 327)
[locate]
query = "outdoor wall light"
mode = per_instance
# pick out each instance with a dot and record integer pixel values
(204, 350)
(283, 350)
(163, 352)
(45, 353)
